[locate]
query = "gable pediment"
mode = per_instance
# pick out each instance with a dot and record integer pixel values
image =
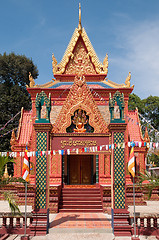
(80, 97)
(70, 60)
(80, 61)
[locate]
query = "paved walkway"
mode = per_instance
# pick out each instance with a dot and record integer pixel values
(83, 226)
(81, 220)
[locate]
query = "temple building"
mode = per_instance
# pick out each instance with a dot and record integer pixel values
(78, 135)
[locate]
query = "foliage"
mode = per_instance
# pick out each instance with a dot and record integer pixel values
(14, 75)
(151, 110)
(148, 107)
(3, 181)
(152, 182)
(12, 203)
(135, 102)
(153, 158)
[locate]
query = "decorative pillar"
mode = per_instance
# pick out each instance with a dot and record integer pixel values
(117, 127)
(118, 187)
(39, 225)
(40, 213)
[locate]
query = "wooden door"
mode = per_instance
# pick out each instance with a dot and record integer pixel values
(80, 169)
(74, 170)
(86, 170)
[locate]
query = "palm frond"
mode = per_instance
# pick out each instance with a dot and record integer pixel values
(12, 203)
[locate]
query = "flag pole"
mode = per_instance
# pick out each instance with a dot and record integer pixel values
(25, 207)
(134, 207)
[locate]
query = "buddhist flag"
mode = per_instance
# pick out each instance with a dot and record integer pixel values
(25, 169)
(131, 163)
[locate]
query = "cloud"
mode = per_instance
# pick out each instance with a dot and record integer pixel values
(139, 47)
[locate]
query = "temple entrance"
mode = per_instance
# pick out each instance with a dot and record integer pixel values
(80, 170)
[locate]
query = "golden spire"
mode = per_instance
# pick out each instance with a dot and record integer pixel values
(6, 172)
(79, 24)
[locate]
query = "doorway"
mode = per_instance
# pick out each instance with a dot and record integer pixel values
(80, 170)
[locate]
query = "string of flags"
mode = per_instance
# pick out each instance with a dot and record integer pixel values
(10, 120)
(151, 145)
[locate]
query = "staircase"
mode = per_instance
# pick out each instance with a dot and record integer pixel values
(80, 200)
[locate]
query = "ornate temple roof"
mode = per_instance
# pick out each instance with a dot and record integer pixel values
(99, 67)
(80, 58)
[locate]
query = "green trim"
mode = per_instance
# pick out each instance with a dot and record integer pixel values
(97, 168)
(119, 172)
(41, 165)
(119, 99)
(63, 169)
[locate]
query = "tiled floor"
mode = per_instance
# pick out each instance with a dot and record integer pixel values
(81, 220)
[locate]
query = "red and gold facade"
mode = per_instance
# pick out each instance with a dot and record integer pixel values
(79, 120)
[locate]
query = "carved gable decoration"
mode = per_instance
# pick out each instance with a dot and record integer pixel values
(80, 46)
(80, 97)
(80, 61)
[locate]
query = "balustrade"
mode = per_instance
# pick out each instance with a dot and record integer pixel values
(14, 224)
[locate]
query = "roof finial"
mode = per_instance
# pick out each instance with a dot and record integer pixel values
(79, 25)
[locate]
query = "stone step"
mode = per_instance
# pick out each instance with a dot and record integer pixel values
(80, 210)
(79, 195)
(67, 202)
(81, 206)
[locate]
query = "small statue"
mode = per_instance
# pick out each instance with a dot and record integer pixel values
(80, 119)
(79, 126)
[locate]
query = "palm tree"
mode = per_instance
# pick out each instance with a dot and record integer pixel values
(151, 182)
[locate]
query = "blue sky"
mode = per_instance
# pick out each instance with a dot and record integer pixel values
(128, 30)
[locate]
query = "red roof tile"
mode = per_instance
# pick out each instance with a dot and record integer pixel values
(26, 127)
(134, 126)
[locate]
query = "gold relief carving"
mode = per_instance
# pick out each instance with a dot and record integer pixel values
(80, 63)
(106, 165)
(80, 97)
(18, 166)
(55, 180)
(59, 165)
(141, 163)
(88, 54)
(101, 164)
(53, 164)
